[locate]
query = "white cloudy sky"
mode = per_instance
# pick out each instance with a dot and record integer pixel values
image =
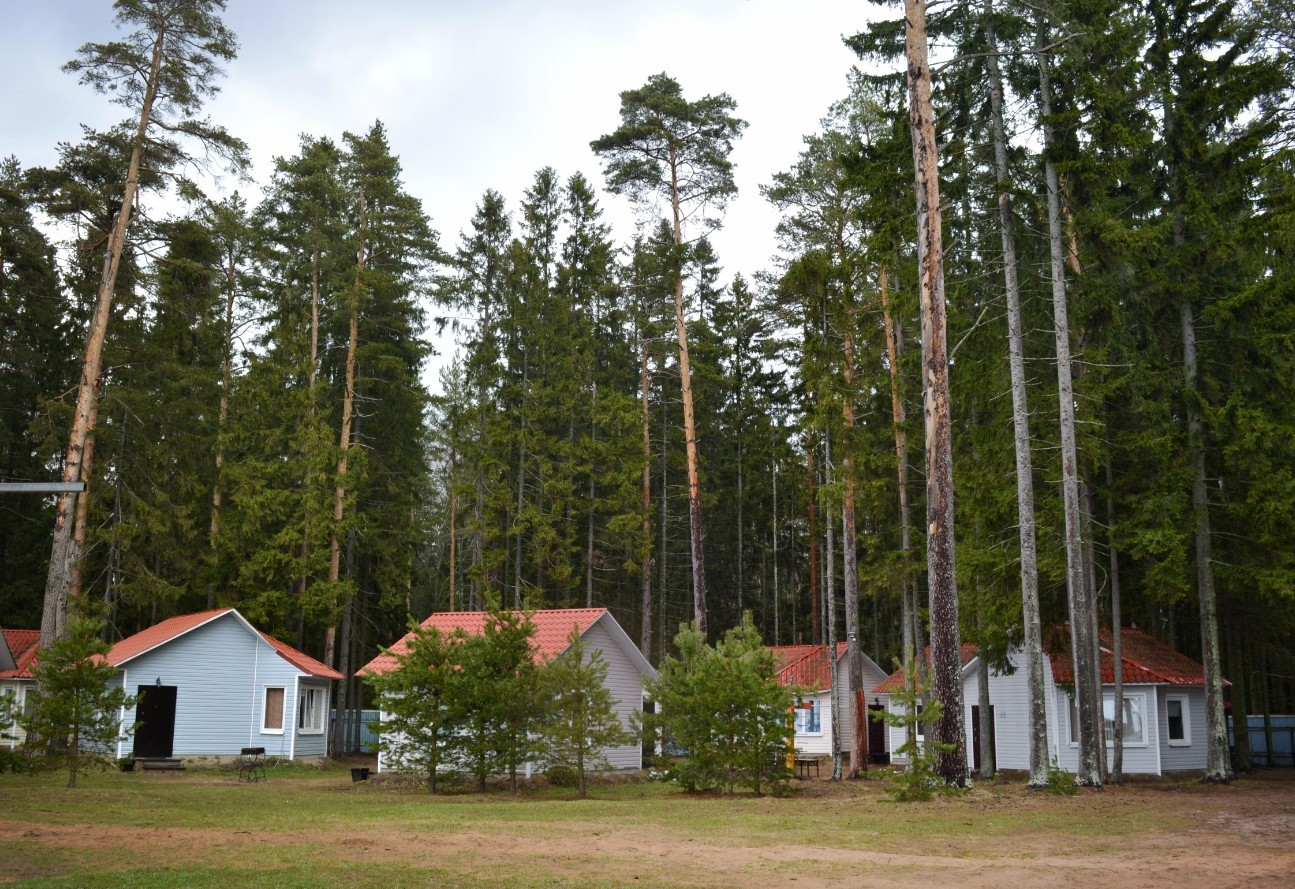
(475, 95)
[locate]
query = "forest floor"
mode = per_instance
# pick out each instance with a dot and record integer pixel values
(310, 828)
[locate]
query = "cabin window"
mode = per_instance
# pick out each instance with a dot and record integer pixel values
(9, 731)
(272, 712)
(310, 719)
(1180, 730)
(808, 718)
(1135, 727)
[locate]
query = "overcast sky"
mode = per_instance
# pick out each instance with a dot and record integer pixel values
(475, 94)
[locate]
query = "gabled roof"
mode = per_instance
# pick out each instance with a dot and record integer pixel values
(552, 631)
(159, 634)
(23, 645)
(895, 681)
(1147, 661)
(805, 665)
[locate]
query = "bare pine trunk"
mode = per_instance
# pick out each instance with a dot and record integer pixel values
(829, 602)
(1116, 775)
(1033, 635)
(815, 624)
(689, 425)
(946, 642)
(82, 512)
(1218, 767)
(849, 543)
(344, 440)
(226, 372)
(62, 552)
(645, 556)
(1087, 691)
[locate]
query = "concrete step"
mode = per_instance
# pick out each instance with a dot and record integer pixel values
(160, 765)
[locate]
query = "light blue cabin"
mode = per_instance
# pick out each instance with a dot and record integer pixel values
(211, 684)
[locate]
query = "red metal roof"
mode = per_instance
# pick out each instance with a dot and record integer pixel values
(552, 630)
(805, 665)
(23, 645)
(895, 681)
(303, 662)
(1147, 661)
(159, 634)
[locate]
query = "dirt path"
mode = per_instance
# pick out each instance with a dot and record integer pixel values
(1240, 836)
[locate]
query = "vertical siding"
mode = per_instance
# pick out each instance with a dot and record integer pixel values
(221, 671)
(1195, 756)
(625, 683)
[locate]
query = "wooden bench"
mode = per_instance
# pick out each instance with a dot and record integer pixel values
(804, 763)
(251, 764)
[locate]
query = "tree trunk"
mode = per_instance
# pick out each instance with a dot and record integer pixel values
(849, 541)
(1036, 713)
(645, 554)
(1087, 691)
(311, 376)
(988, 753)
(1219, 766)
(344, 440)
(1116, 775)
(1240, 697)
(521, 488)
(946, 642)
(226, 372)
(689, 425)
(82, 511)
(816, 627)
(829, 602)
(62, 554)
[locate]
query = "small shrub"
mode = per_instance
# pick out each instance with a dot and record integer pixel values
(1060, 782)
(919, 781)
(563, 776)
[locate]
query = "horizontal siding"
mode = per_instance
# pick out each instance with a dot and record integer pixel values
(221, 671)
(625, 683)
(1194, 757)
(817, 743)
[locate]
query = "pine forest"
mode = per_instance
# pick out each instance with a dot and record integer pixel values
(1024, 366)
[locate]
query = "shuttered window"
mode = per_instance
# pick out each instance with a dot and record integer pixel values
(272, 718)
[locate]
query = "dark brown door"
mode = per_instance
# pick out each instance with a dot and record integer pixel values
(975, 733)
(155, 734)
(877, 734)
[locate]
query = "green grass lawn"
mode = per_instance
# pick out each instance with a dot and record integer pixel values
(307, 827)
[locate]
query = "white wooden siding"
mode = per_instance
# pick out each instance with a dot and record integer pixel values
(221, 670)
(625, 683)
(1192, 757)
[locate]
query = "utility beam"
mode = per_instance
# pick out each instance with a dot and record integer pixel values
(41, 487)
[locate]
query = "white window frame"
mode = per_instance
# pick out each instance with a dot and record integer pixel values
(1186, 739)
(283, 709)
(9, 732)
(1137, 701)
(812, 709)
(308, 694)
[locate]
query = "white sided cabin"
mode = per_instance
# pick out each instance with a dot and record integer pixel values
(17, 656)
(1164, 707)
(626, 667)
(211, 684)
(807, 667)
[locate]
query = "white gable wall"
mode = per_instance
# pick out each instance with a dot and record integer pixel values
(221, 670)
(625, 683)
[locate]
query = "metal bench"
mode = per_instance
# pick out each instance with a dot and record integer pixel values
(251, 764)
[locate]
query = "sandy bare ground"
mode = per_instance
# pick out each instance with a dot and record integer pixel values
(1243, 835)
